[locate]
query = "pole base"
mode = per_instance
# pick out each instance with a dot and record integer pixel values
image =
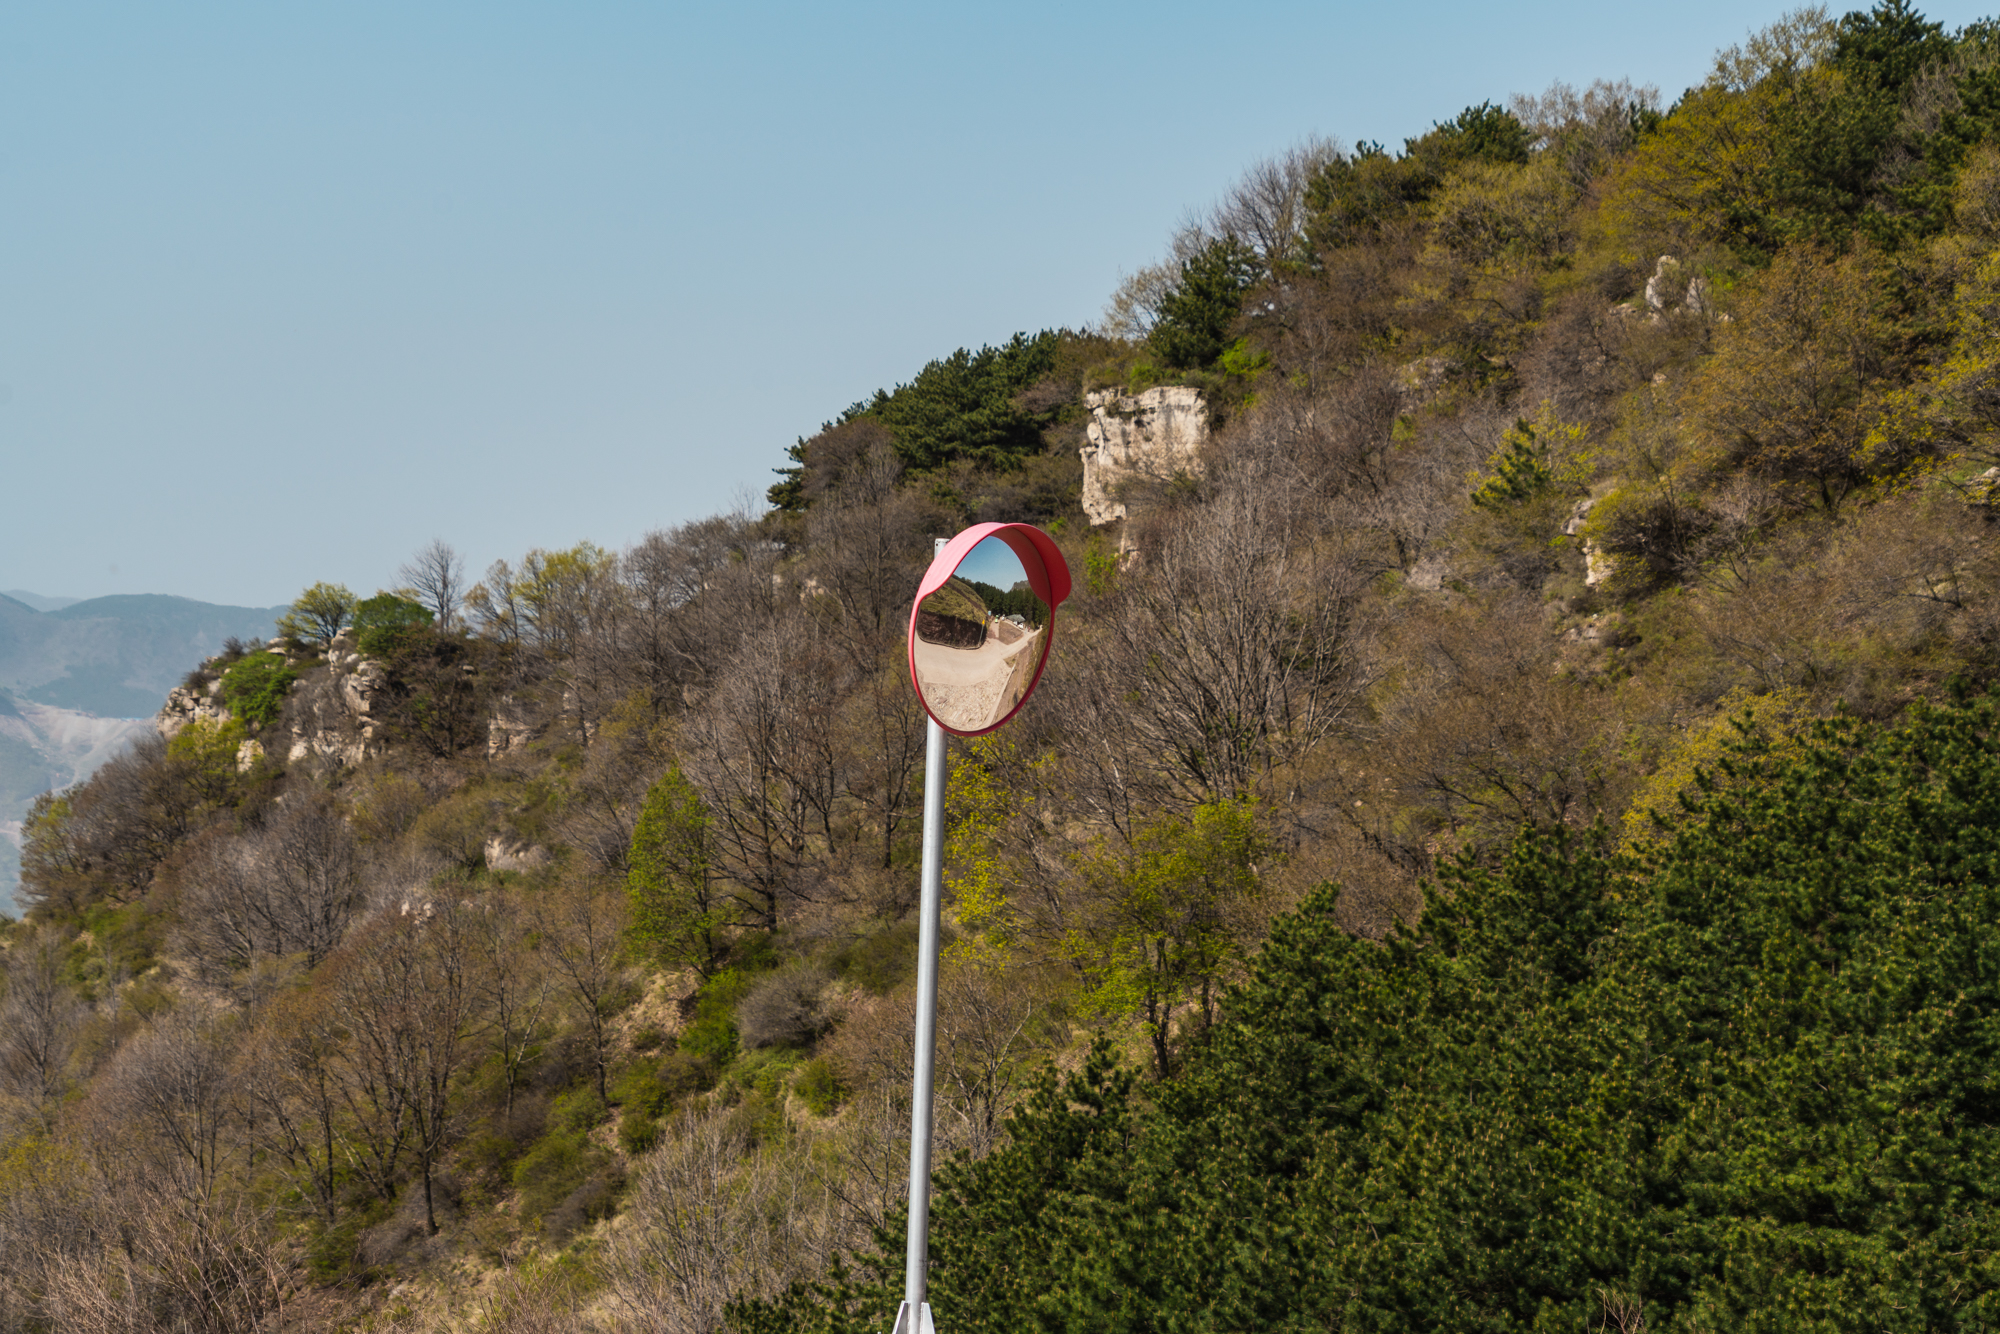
(918, 1322)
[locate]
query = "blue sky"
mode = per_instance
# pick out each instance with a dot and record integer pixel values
(992, 562)
(286, 290)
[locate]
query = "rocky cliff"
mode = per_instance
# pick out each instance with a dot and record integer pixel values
(1137, 443)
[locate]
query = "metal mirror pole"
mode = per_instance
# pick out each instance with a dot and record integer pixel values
(915, 1316)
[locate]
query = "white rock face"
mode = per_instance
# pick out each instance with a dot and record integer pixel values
(1597, 566)
(1149, 437)
(184, 706)
(504, 854)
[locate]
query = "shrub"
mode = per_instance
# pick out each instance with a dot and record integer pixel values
(596, 1197)
(878, 962)
(579, 1110)
(785, 1008)
(711, 1035)
(819, 1087)
(549, 1173)
(381, 620)
(711, 1039)
(639, 1132)
(648, 1038)
(255, 687)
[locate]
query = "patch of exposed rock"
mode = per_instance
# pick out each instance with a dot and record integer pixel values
(329, 715)
(1597, 565)
(188, 704)
(1138, 442)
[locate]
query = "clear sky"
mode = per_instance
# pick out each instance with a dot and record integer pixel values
(992, 562)
(288, 290)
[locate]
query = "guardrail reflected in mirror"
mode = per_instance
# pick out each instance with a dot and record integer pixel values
(982, 624)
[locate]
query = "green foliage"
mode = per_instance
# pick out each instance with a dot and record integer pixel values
(638, 1131)
(1520, 470)
(1352, 199)
(711, 1035)
(880, 961)
(1744, 725)
(965, 406)
(1534, 459)
(205, 750)
(562, 1169)
(578, 1111)
(434, 692)
(255, 688)
(676, 914)
(318, 614)
(819, 1087)
(1017, 601)
(1742, 1083)
(1197, 318)
(380, 622)
(1173, 912)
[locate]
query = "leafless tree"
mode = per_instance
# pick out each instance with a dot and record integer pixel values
(167, 1098)
(39, 1019)
(290, 888)
(286, 1084)
(435, 576)
(1217, 664)
(710, 1222)
(1266, 207)
(165, 1258)
(514, 983)
(769, 764)
(870, 543)
(1589, 129)
(582, 929)
(403, 988)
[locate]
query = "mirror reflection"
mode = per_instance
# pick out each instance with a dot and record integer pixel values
(980, 640)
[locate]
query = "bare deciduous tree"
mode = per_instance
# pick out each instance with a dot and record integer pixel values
(1217, 664)
(582, 927)
(710, 1222)
(435, 576)
(39, 1019)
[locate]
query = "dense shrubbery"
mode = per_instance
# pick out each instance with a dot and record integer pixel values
(1737, 1083)
(255, 687)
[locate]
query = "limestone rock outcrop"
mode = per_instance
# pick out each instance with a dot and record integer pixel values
(329, 716)
(1139, 440)
(187, 704)
(1597, 566)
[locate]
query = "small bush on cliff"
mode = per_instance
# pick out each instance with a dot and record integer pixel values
(255, 688)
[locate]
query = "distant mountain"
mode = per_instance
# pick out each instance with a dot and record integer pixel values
(37, 601)
(81, 677)
(43, 747)
(116, 657)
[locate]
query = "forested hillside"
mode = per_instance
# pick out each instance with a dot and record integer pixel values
(1503, 841)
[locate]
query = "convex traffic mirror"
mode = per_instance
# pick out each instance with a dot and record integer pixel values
(982, 624)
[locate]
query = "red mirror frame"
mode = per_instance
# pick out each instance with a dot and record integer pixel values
(1048, 579)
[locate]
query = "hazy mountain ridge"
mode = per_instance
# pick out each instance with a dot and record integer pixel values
(115, 656)
(37, 601)
(79, 679)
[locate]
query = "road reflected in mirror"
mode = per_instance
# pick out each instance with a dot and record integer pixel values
(980, 640)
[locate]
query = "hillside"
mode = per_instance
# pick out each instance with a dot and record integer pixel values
(1502, 840)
